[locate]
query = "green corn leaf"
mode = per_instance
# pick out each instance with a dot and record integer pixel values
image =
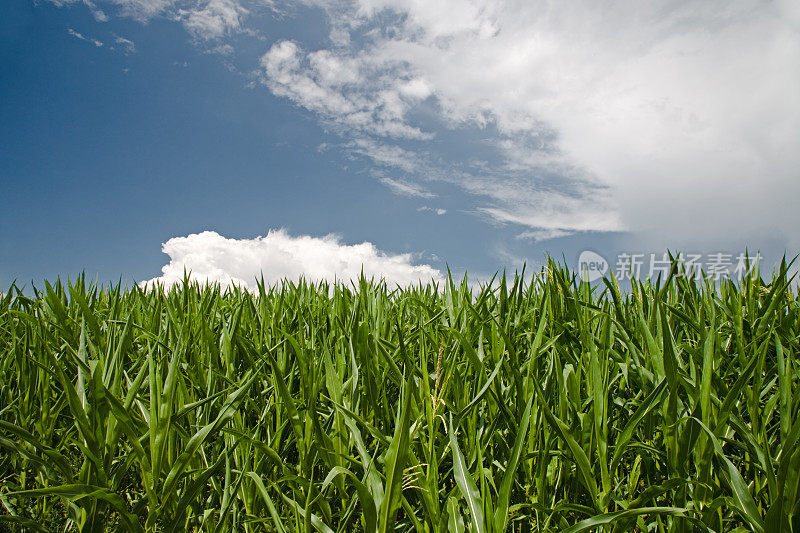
(469, 491)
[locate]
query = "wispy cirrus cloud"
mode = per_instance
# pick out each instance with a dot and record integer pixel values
(144, 10)
(214, 19)
(387, 155)
(98, 14)
(128, 46)
(406, 188)
(205, 20)
(82, 37)
(540, 235)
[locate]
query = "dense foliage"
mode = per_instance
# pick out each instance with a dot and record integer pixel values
(532, 404)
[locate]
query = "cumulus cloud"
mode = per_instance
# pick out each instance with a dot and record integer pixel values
(211, 257)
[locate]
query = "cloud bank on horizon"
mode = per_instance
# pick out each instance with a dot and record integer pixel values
(210, 257)
(641, 117)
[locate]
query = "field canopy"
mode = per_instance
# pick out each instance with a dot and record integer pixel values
(535, 403)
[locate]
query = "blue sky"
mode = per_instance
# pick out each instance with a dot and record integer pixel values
(475, 134)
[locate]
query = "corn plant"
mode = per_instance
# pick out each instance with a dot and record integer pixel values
(538, 403)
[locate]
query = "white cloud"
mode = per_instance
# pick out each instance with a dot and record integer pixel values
(84, 38)
(213, 19)
(606, 116)
(406, 188)
(658, 113)
(386, 154)
(345, 91)
(141, 10)
(223, 50)
(144, 10)
(544, 234)
(126, 44)
(437, 210)
(550, 210)
(98, 14)
(211, 257)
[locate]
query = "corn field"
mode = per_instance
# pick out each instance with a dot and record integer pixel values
(534, 403)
